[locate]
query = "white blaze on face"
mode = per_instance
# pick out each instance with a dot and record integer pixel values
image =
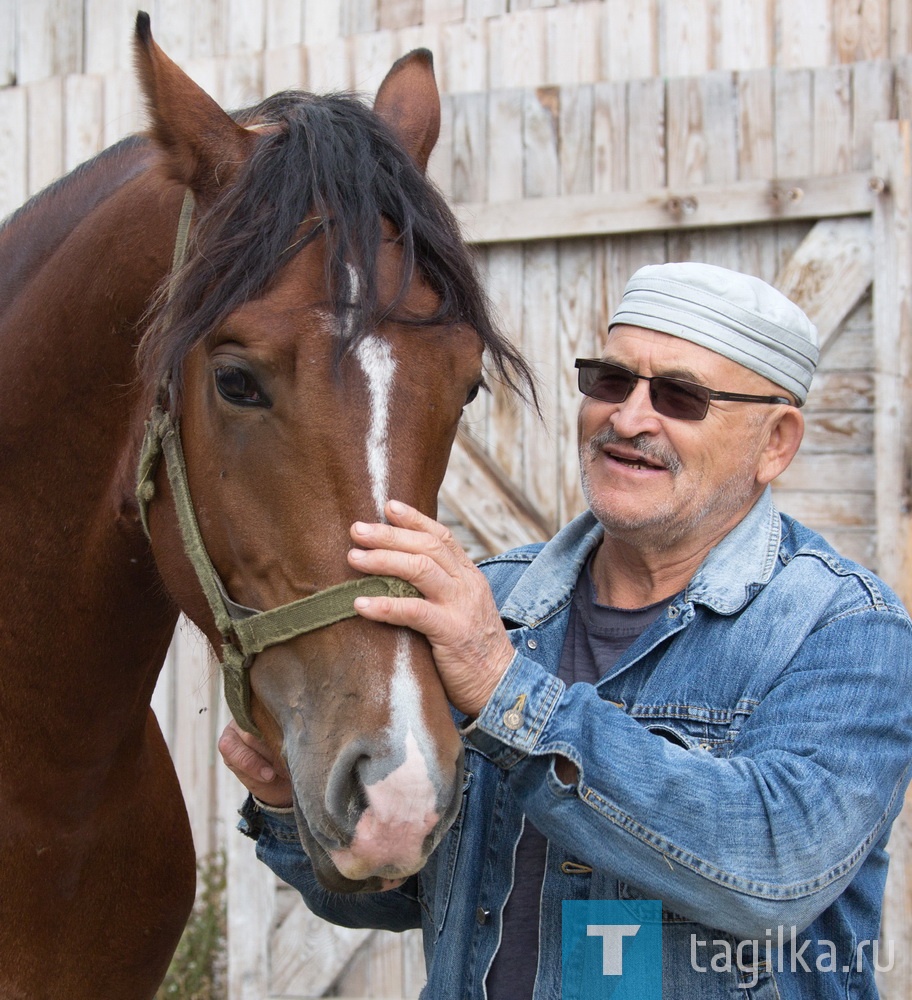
(401, 808)
(376, 358)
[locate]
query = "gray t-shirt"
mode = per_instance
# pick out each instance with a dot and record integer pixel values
(597, 636)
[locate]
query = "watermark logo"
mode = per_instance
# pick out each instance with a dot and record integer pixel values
(612, 950)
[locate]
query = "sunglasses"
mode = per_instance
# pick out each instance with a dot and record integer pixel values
(672, 397)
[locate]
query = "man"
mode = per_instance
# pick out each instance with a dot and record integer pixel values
(684, 696)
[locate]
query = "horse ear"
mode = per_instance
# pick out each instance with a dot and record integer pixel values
(409, 103)
(203, 145)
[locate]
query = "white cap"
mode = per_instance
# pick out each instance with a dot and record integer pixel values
(733, 314)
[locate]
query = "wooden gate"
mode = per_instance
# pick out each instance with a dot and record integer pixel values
(580, 141)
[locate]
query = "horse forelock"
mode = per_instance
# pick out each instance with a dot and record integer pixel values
(326, 167)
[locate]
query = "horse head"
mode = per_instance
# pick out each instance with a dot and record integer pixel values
(312, 352)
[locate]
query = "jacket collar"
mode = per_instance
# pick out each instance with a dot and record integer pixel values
(728, 578)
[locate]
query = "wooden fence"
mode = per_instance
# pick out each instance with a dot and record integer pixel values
(579, 141)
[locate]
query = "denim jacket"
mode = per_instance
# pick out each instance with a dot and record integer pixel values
(742, 762)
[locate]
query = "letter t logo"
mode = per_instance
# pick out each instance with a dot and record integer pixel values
(612, 936)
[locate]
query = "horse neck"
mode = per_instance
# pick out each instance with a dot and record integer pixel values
(82, 595)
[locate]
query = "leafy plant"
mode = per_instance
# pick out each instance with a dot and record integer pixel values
(197, 971)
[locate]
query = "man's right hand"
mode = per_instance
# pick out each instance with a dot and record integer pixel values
(251, 760)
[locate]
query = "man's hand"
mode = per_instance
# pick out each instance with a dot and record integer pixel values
(457, 612)
(253, 764)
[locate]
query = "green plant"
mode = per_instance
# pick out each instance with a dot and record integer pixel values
(197, 971)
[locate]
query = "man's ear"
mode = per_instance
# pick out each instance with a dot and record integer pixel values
(785, 436)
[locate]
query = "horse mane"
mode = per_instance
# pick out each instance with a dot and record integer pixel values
(331, 167)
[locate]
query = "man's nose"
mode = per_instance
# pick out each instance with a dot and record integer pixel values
(636, 415)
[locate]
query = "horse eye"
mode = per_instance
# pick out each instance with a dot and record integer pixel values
(473, 392)
(238, 387)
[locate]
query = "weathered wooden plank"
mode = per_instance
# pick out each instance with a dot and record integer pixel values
(830, 272)
(470, 147)
(571, 43)
(850, 431)
(49, 37)
(842, 390)
(872, 101)
(575, 128)
(794, 108)
(576, 338)
(284, 68)
(502, 426)
(83, 119)
(687, 37)
(8, 44)
(893, 365)
(822, 510)
(860, 30)
(283, 24)
(240, 79)
(745, 35)
(666, 209)
(542, 298)
(832, 121)
(124, 110)
(805, 33)
(464, 55)
(359, 16)
(329, 66)
(307, 953)
(242, 24)
(44, 104)
(829, 473)
(517, 49)
(504, 116)
(505, 264)
(893, 352)
(372, 55)
(903, 87)
(443, 11)
(14, 163)
(755, 126)
(609, 137)
(394, 14)
(321, 22)
(630, 40)
(900, 29)
(478, 9)
(108, 35)
(440, 165)
(477, 491)
(647, 160)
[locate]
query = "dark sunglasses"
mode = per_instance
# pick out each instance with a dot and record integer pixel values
(672, 397)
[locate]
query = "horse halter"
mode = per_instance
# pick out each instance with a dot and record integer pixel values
(244, 631)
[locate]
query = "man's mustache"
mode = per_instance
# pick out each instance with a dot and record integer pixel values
(642, 443)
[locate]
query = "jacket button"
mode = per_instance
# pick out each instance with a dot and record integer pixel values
(481, 915)
(532, 644)
(513, 719)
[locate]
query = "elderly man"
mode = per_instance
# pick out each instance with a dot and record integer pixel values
(684, 696)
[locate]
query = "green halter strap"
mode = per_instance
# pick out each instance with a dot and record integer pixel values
(244, 631)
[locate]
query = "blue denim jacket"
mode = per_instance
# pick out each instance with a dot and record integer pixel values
(743, 762)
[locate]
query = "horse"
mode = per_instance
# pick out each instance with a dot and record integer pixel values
(222, 342)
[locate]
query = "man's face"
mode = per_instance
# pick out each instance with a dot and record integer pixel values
(656, 481)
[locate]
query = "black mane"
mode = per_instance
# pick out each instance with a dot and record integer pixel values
(334, 162)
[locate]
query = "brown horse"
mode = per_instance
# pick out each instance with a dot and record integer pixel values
(312, 354)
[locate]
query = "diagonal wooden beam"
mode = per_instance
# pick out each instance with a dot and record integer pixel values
(487, 501)
(830, 271)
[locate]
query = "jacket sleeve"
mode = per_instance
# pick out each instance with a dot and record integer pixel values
(769, 835)
(278, 847)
